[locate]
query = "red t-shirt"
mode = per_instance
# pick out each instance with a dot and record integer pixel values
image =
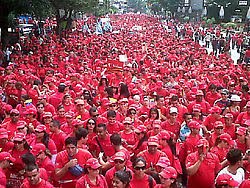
(206, 173)
(41, 184)
(59, 140)
(151, 159)
(84, 182)
(129, 137)
(174, 128)
(106, 146)
(62, 158)
(3, 180)
(144, 182)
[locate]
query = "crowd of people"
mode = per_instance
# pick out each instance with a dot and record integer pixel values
(139, 106)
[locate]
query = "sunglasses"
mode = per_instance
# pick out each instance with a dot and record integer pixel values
(118, 161)
(114, 105)
(18, 142)
(140, 167)
(96, 115)
(14, 114)
(91, 123)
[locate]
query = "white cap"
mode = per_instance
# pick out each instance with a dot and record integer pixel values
(235, 98)
(173, 110)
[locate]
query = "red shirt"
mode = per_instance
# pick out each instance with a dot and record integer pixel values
(62, 158)
(129, 137)
(220, 152)
(151, 159)
(144, 182)
(3, 180)
(114, 128)
(174, 128)
(59, 140)
(47, 165)
(207, 171)
(41, 184)
(84, 182)
(51, 145)
(106, 146)
(209, 122)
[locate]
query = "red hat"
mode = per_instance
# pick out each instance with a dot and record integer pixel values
(14, 111)
(163, 162)
(3, 133)
(6, 156)
(127, 120)
(77, 122)
(7, 108)
(123, 100)
(39, 147)
(32, 111)
(164, 135)
(153, 141)
(229, 115)
(215, 109)
(168, 173)
(248, 104)
(156, 123)
(194, 125)
(199, 92)
(19, 137)
(140, 128)
(40, 128)
(21, 124)
(218, 124)
(241, 131)
(246, 122)
(80, 102)
(69, 114)
(202, 142)
(227, 138)
(226, 179)
(47, 114)
(119, 156)
(93, 163)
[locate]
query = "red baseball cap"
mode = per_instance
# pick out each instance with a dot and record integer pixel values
(21, 124)
(164, 135)
(194, 125)
(140, 128)
(93, 163)
(218, 124)
(119, 156)
(47, 114)
(69, 114)
(6, 156)
(19, 137)
(215, 109)
(153, 141)
(202, 142)
(168, 173)
(14, 111)
(163, 162)
(227, 138)
(241, 131)
(226, 179)
(40, 128)
(3, 133)
(228, 115)
(39, 147)
(127, 120)
(31, 111)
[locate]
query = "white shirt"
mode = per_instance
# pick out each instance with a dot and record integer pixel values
(239, 176)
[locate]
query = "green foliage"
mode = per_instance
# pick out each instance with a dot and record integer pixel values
(137, 5)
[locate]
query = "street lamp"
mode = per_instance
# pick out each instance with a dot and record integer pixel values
(190, 10)
(222, 12)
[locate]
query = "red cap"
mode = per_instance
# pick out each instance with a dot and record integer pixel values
(202, 142)
(218, 124)
(153, 141)
(227, 138)
(47, 114)
(229, 115)
(127, 120)
(77, 122)
(226, 179)
(168, 173)
(215, 109)
(164, 135)
(93, 163)
(69, 114)
(19, 137)
(241, 131)
(140, 128)
(38, 148)
(80, 102)
(163, 162)
(7, 108)
(6, 156)
(156, 123)
(246, 122)
(248, 104)
(21, 124)
(119, 156)
(32, 111)
(194, 125)
(173, 110)
(3, 133)
(14, 111)
(40, 128)
(199, 92)
(123, 100)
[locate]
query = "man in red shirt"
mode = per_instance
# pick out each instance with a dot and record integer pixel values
(205, 106)
(34, 179)
(57, 135)
(161, 108)
(113, 126)
(5, 159)
(70, 162)
(212, 118)
(202, 166)
(243, 116)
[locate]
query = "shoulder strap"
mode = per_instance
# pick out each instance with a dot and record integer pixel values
(150, 181)
(99, 144)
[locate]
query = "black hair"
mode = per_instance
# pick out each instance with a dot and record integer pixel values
(154, 110)
(110, 92)
(31, 167)
(45, 139)
(106, 81)
(61, 88)
(158, 97)
(116, 139)
(138, 159)
(81, 133)
(111, 113)
(60, 107)
(28, 158)
(56, 123)
(92, 109)
(234, 156)
(123, 176)
(71, 140)
(124, 90)
(102, 125)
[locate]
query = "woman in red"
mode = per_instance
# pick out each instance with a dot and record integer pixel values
(168, 178)
(241, 141)
(93, 178)
(141, 144)
(140, 178)
(60, 115)
(90, 126)
(121, 179)
(153, 115)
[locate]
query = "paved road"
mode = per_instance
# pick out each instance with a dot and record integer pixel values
(234, 54)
